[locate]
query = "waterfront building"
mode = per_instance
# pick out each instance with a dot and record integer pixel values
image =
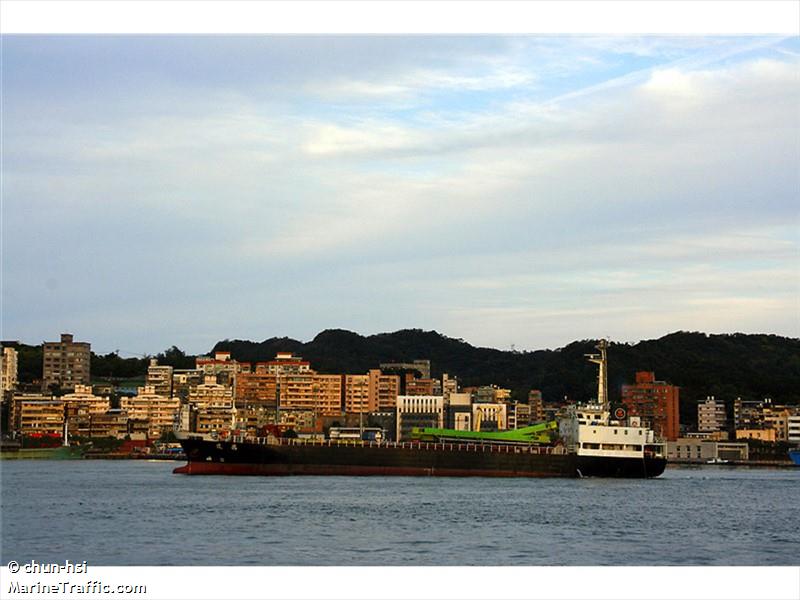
(711, 415)
(793, 428)
(762, 435)
(777, 418)
(159, 377)
(489, 417)
(65, 363)
(157, 410)
(703, 450)
(9, 369)
(418, 411)
(214, 419)
(748, 414)
(537, 406)
(383, 390)
(654, 401)
(83, 400)
(112, 423)
(356, 394)
(37, 414)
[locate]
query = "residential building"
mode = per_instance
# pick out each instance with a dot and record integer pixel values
(296, 390)
(183, 380)
(147, 405)
(221, 366)
(285, 363)
(418, 411)
(383, 390)
(537, 406)
(159, 377)
(37, 414)
(356, 394)
(9, 368)
(65, 363)
(327, 391)
(211, 394)
(257, 390)
(777, 418)
(84, 401)
(711, 415)
(215, 419)
(421, 386)
(449, 386)
(112, 423)
(656, 402)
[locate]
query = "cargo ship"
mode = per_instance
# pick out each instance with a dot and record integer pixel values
(588, 441)
(795, 456)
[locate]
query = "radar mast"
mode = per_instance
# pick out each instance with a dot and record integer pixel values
(602, 376)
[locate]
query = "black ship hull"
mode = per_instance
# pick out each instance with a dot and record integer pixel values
(208, 457)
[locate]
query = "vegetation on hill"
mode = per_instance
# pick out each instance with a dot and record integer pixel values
(725, 366)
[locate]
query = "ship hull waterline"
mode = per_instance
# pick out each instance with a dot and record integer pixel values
(207, 457)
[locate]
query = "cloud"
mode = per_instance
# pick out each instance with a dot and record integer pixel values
(482, 186)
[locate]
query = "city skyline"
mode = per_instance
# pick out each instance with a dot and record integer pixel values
(507, 190)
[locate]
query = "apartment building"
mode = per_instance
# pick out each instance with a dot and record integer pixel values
(65, 363)
(84, 401)
(159, 377)
(711, 415)
(148, 405)
(9, 369)
(37, 414)
(656, 402)
(384, 390)
(356, 394)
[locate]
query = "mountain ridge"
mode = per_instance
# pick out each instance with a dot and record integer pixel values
(752, 366)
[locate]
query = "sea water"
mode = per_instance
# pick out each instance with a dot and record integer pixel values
(139, 513)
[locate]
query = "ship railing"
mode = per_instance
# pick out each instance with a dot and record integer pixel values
(435, 446)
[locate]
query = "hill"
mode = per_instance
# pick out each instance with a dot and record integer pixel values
(752, 366)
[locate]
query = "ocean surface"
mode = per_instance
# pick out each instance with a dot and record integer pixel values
(138, 513)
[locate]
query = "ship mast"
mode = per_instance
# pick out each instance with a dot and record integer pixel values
(602, 376)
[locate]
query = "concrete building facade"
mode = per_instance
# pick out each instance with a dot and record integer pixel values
(9, 369)
(65, 363)
(656, 402)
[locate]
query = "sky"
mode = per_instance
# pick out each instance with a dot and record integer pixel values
(513, 191)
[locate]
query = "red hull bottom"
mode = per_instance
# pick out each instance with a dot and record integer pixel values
(215, 468)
